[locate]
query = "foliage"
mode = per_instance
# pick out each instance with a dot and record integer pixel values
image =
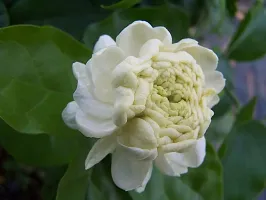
(36, 83)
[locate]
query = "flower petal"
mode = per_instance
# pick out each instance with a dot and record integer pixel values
(138, 153)
(214, 79)
(168, 166)
(138, 133)
(192, 157)
(104, 41)
(100, 149)
(90, 105)
(129, 174)
(83, 74)
(213, 101)
(102, 65)
(184, 43)
(146, 180)
(206, 58)
(149, 49)
(132, 38)
(93, 127)
(69, 114)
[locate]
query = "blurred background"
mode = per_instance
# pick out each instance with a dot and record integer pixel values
(211, 22)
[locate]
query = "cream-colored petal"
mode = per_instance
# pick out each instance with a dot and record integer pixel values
(204, 57)
(90, 105)
(214, 79)
(100, 149)
(184, 43)
(104, 41)
(192, 157)
(138, 133)
(213, 101)
(150, 49)
(127, 173)
(168, 166)
(138, 153)
(205, 126)
(123, 100)
(102, 66)
(83, 74)
(146, 180)
(69, 114)
(94, 127)
(132, 38)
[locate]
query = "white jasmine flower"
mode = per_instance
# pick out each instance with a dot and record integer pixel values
(147, 99)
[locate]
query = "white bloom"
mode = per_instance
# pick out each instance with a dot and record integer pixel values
(147, 100)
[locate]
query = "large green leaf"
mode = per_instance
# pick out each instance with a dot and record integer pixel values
(36, 80)
(203, 183)
(38, 150)
(244, 161)
(122, 4)
(68, 15)
(249, 41)
(157, 16)
(4, 18)
(74, 183)
(52, 177)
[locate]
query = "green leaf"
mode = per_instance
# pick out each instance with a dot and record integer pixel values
(36, 79)
(246, 112)
(203, 183)
(244, 161)
(157, 16)
(52, 177)
(211, 17)
(122, 4)
(249, 42)
(220, 128)
(231, 7)
(74, 183)
(4, 17)
(68, 15)
(37, 150)
(244, 115)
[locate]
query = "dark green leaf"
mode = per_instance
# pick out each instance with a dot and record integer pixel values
(246, 112)
(68, 15)
(231, 7)
(211, 17)
(4, 18)
(74, 184)
(203, 183)
(224, 105)
(249, 42)
(122, 4)
(157, 16)
(220, 128)
(244, 161)
(36, 79)
(51, 181)
(37, 150)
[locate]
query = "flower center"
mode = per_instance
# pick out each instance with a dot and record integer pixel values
(177, 103)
